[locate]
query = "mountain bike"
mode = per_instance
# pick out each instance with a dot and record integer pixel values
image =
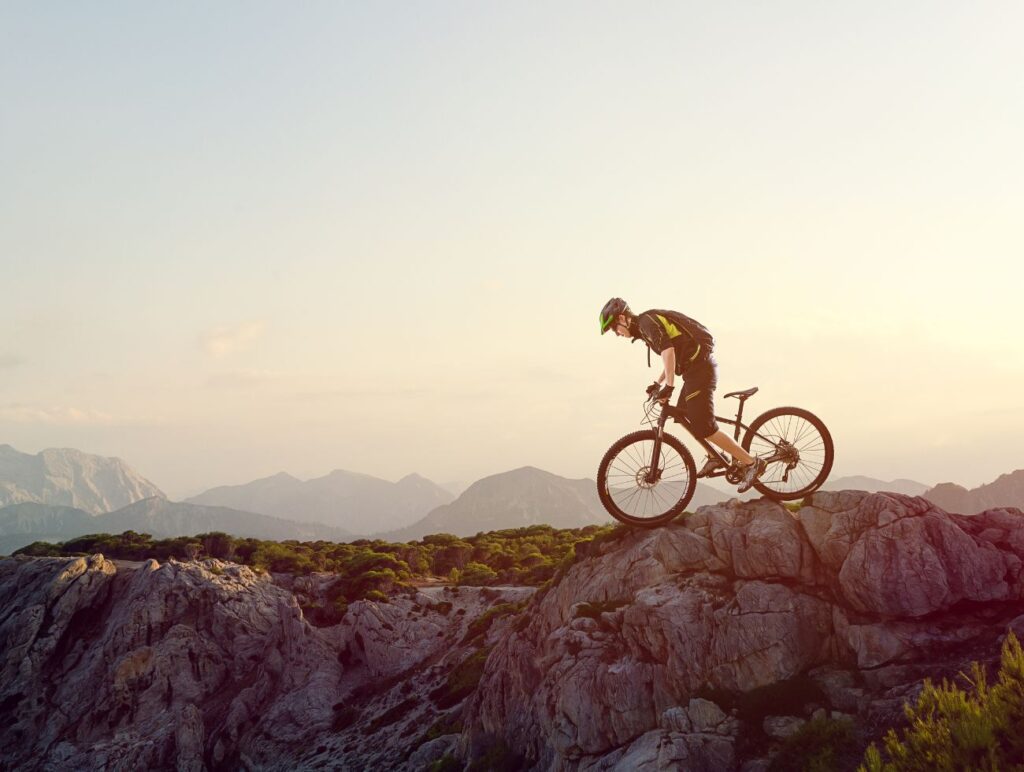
(648, 477)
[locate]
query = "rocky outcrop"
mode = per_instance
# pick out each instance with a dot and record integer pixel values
(70, 478)
(697, 646)
(864, 593)
(201, 666)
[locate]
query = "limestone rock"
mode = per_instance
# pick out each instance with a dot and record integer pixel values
(781, 727)
(643, 654)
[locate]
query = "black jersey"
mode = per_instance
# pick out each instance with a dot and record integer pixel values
(663, 329)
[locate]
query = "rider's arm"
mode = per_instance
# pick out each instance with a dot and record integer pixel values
(668, 356)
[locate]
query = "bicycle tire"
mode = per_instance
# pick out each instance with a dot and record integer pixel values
(674, 504)
(816, 451)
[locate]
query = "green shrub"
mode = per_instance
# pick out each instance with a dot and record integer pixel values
(461, 681)
(376, 595)
(477, 575)
(479, 626)
(534, 555)
(953, 729)
(817, 746)
(446, 763)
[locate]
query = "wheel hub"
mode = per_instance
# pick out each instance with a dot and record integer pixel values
(644, 478)
(788, 453)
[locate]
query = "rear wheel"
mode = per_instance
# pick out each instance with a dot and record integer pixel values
(801, 447)
(633, 495)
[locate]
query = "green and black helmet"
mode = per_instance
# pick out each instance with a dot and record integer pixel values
(610, 312)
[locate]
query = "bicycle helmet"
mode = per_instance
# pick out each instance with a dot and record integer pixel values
(610, 312)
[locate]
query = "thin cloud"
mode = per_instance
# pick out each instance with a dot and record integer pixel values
(221, 341)
(242, 379)
(8, 361)
(53, 415)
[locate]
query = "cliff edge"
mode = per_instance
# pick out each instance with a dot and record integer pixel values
(693, 646)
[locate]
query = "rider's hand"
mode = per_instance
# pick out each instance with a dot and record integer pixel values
(664, 394)
(653, 389)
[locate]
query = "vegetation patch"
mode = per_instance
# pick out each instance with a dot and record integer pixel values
(479, 627)
(951, 728)
(446, 763)
(820, 745)
(462, 681)
(446, 724)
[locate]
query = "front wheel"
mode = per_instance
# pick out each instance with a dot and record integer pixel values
(632, 494)
(798, 448)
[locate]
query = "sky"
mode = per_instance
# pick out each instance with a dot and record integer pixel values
(241, 238)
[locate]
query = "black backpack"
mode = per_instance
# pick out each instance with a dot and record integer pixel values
(676, 325)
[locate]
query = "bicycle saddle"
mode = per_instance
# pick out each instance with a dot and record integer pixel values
(742, 395)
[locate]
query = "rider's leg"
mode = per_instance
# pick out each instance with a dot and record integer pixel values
(697, 397)
(726, 443)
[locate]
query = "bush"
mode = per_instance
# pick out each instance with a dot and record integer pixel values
(446, 724)
(954, 729)
(817, 746)
(462, 680)
(446, 763)
(478, 627)
(477, 574)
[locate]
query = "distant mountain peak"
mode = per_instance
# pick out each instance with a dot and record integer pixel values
(358, 503)
(70, 477)
(1007, 490)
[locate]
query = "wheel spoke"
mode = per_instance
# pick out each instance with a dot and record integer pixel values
(786, 431)
(626, 486)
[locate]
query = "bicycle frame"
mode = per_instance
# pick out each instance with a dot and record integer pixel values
(679, 414)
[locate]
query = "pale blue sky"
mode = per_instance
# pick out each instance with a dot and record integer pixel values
(238, 238)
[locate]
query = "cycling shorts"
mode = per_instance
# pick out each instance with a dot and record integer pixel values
(700, 379)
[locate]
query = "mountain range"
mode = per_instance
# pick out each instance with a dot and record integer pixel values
(523, 497)
(22, 524)
(874, 485)
(61, 493)
(1005, 491)
(356, 502)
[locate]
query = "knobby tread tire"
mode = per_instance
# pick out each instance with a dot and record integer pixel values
(826, 437)
(647, 435)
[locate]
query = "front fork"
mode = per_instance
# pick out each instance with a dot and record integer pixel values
(654, 471)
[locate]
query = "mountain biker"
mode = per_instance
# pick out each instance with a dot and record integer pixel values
(686, 349)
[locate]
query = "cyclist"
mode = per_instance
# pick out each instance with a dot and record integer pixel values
(686, 349)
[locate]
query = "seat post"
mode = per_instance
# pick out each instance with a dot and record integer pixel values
(739, 417)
